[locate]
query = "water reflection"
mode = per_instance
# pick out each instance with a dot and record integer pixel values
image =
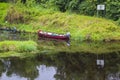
(62, 66)
(12, 77)
(7, 35)
(113, 76)
(100, 62)
(46, 73)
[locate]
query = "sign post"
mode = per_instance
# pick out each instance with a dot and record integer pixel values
(100, 7)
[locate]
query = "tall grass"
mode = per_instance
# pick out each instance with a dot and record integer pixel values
(81, 27)
(3, 11)
(18, 46)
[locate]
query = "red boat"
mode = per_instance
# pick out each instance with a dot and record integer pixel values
(65, 37)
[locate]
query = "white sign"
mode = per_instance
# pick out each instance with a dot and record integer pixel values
(101, 7)
(100, 62)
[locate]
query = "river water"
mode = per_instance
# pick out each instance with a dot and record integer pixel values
(62, 66)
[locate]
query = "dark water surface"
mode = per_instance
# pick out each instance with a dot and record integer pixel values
(62, 66)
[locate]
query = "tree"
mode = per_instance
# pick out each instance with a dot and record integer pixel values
(113, 10)
(23, 1)
(3, 0)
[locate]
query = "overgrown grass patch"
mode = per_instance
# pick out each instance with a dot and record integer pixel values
(81, 27)
(18, 46)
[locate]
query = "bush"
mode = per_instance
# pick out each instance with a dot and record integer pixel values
(113, 10)
(84, 9)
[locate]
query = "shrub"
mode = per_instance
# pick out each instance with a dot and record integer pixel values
(14, 16)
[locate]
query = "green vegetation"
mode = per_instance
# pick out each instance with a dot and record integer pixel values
(30, 49)
(88, 7)
(3, 11)
(48, 47)
(59, 17)
(77, 6)
(16, 54)
(17, 48)
(81, 27)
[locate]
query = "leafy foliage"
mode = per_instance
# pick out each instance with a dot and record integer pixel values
(3, 0)
(86, 7)
(113, 10)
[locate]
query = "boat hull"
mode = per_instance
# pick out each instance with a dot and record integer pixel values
(42, 34)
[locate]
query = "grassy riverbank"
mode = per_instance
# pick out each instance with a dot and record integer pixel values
(81, 27)
(48, 47)
(24, 49)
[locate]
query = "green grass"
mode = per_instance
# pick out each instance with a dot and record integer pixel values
(48, 47)
(20, 49)
(81, 27)
(16, 54)
(18, 46)
(25, 49)
(3, 11)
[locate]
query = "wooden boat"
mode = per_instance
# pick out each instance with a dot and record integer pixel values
(65, 37)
